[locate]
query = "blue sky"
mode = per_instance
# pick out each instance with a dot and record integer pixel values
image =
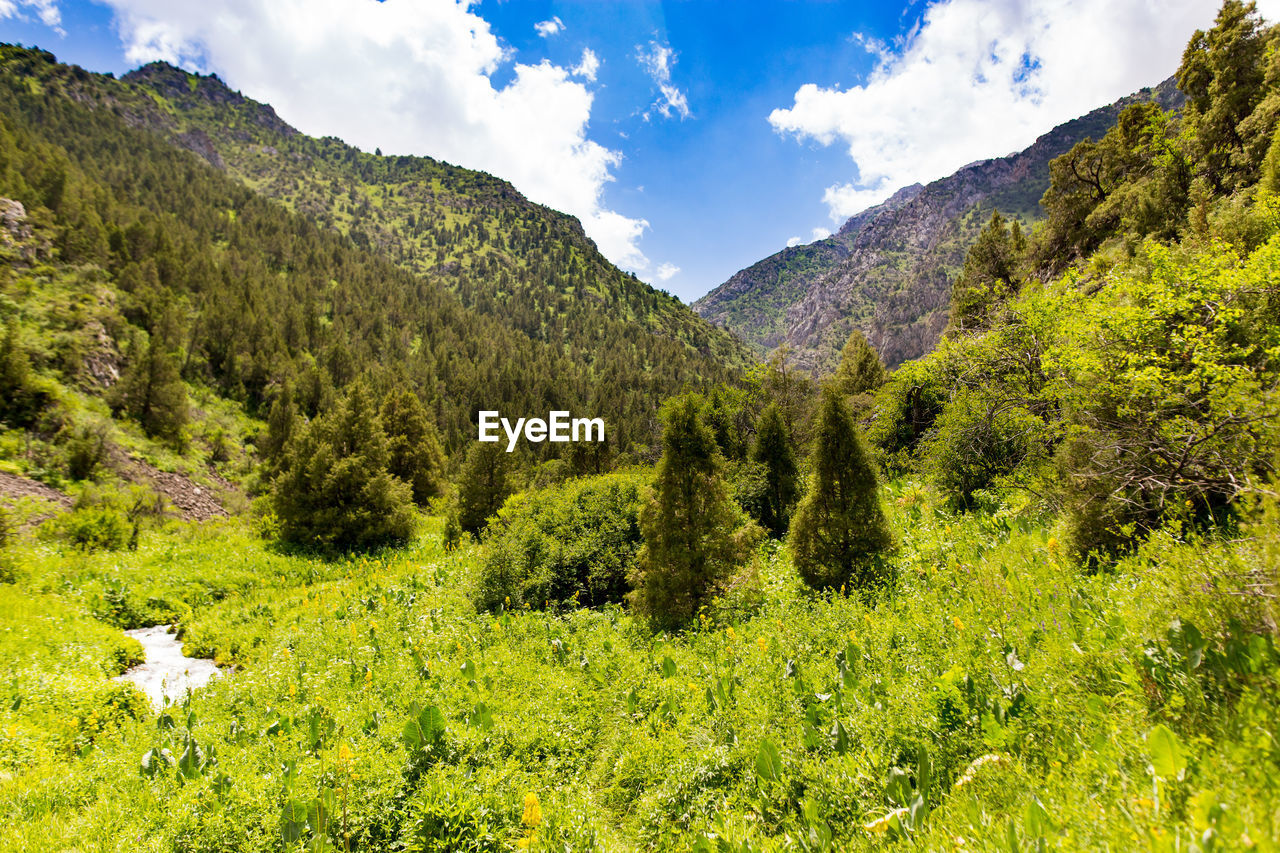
(692, 138)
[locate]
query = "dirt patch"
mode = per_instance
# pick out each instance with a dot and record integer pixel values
(15, 487)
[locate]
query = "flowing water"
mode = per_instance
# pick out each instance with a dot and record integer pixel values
(166, 671)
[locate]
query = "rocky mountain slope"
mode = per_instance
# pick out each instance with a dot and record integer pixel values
(888, 270)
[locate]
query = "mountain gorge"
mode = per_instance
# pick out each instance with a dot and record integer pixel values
(888, 271)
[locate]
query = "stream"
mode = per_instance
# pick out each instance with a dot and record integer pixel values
(166, 671)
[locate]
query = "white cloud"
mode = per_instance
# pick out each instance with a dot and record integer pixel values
(665, 271)
(794, 241)
(657, 61)
(408, 76)
(46, 10)
(981, 78)
(546, 29)
(820, 233)
(588, 66)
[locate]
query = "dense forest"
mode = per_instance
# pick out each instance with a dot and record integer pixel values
(1019, 593)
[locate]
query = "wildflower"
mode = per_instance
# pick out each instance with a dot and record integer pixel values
(344, 753)
(293, 689)
(525, 842)
(532, 811)
(955, 620)
(762, 643)
(881, 825)
(729, 632)
(1052, 545)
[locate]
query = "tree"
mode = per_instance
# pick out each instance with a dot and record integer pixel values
(989, 276)
(20, 399)
(413, 445)
(695, 536)
(839, 528)
(1222, 74)
(774, 453)
(860, 369)
(334, 491)
(283, 423)
(151, 391)
(483, 487)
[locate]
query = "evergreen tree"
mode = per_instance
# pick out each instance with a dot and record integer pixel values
(860, 369)
(283, 423)
(151, 391)
(19, 399)
(839, 528)
(334, 491)
(483, 486)
(413, 445)
(773, 451)
(989, 276)
(695, 536)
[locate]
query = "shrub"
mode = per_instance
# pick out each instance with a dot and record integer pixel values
(839, 530)
(574, 542)
(98, 527)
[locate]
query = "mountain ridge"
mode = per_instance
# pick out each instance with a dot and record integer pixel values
(887, 271)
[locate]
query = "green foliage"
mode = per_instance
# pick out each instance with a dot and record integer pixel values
(839, 532)
(695, 536)
(333, 491)
(96, 527)
(483, 486)
(21, 397)
(779, 481)
(573, 543)
(990, 275)
(151, 391)
(413, 446)
(860, 370)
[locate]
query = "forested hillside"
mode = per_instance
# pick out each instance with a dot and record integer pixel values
(888, 271)
(157, 249)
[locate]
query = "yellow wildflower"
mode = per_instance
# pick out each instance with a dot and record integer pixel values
(344, 753)
(762, 643)
(1052, 544)
(13, 730)
(532, 811)
(526, 842)
(293, 689)
(955, 620)
(729, 632)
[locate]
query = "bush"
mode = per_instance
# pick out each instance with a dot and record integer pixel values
(483, 486)
(572, 543)
(978, 440)
(906, 408)
(97, 527)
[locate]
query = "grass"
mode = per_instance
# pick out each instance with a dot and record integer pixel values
(1018, 696)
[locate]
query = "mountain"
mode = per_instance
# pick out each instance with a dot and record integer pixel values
(888, 270)
(176, 210)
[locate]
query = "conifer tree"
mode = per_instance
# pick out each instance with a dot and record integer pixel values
(151, 391)
(774, 453)
(413, 445)
(860, 367)
(334, 491)
(283, 423)
(695, 536)
(839, 527)
(18, 399)
(989, 276)
(483, 486)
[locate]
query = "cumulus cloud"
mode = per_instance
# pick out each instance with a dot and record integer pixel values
(588, 66)
(410, 77)
(820, 233)
(793, 242)
(46, 10)
(547, 29)
(657, 60)
(665, 271)
(980, 78)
